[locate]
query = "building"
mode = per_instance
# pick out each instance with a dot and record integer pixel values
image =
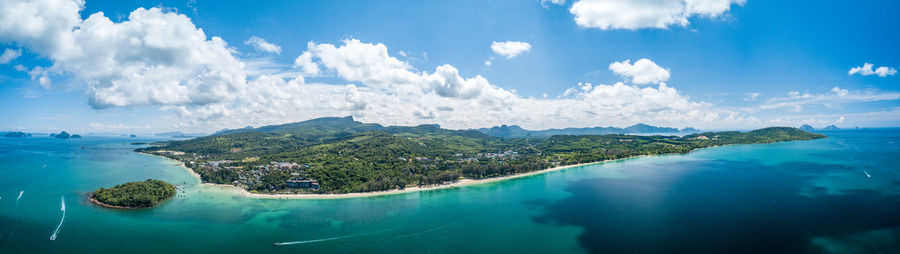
(304, 184)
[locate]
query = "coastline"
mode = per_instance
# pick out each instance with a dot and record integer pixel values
(96, 202)
(460, 183)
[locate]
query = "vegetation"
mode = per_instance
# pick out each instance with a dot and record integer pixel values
(135, 194)
(344, 156)
(62, 135)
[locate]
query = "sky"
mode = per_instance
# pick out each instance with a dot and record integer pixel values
(199, 66)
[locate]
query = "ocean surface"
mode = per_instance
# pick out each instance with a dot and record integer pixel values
(834, 195)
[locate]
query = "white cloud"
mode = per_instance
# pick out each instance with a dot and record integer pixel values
(371, 65)
(866, 70)
(510, 49)
(45, 26)
(836, 96)
(152, 58)
(262, 45)
(630, 14)
(556, 2)
(488, 63)
(161, 58)
(391, 92)
(9, 55)
(643, 71)
(752, 96)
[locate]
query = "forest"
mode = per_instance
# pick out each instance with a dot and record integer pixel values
(135, 194)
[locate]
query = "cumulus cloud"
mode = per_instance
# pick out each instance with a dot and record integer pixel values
(866, 70)
(510, 49)
(9, 55)
(160, 58)
(390, 91)
(643, 71)
(371, 65)
(262, 45)
(152, 58)
(632, 15)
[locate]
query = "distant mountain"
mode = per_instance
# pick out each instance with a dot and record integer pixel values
(514, 131)
(169, 134)
(226, 131)
(16, 134)
(643, 128)
(806, 127)
(62, 135)
(178, 134)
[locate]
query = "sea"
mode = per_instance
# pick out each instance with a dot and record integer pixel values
(840, 194)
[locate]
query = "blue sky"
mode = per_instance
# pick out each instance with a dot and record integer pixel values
(713, 64)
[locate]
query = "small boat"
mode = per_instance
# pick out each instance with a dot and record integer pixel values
(867, 174)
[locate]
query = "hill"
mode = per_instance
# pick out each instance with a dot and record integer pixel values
(514, 131)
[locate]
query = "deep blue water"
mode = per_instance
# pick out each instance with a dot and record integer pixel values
(792, 197)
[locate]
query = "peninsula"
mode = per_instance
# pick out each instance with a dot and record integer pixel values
(339, 155)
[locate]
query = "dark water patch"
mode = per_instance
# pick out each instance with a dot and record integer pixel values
(715, 207)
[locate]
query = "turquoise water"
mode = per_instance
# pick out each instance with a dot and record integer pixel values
(793, 197)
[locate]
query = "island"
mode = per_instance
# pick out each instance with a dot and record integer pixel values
(340, 155)
(16, 134)
(134, 195)
(64, 135)
(61, 135)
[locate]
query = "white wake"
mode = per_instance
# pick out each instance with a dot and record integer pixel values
(63, 209)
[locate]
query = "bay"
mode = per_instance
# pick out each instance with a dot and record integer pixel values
(792, 197)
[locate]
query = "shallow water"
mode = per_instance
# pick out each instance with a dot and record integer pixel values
(793, 197)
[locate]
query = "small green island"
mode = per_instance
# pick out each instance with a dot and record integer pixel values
(133, 195)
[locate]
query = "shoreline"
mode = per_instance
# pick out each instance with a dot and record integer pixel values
(460, 183)
(97, 202)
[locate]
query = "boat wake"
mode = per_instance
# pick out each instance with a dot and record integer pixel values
(429, 230)
(312, 241)
(328, 239)
(20, 196)
(63, 209)
(867, 173)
